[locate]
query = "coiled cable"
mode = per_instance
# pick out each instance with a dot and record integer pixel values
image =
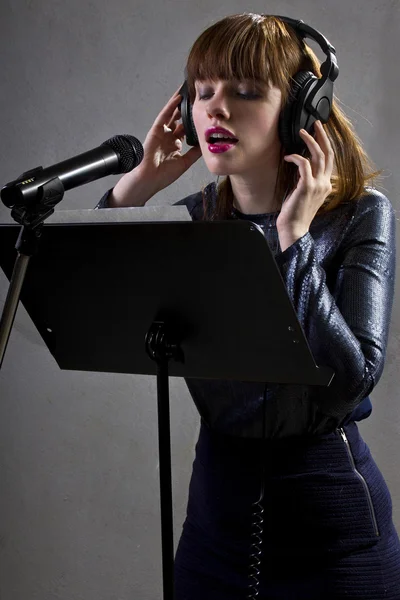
(258, 519)
(258, 509)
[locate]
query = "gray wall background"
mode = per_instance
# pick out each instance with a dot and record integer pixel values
(79, 503)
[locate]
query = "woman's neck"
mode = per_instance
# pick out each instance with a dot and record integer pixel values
(255, 195)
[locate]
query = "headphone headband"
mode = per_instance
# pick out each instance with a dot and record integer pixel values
(329, 68)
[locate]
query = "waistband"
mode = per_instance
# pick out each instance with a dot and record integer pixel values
(284, 455)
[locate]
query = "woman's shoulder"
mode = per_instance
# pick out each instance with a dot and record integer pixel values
(374, 214)
(374, 200)
(370, 205)
(195, 202)
(371, 216)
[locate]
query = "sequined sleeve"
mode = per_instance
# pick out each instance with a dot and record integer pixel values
(347, 325)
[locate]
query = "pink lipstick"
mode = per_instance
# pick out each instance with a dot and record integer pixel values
(219, 148)
(221, 139)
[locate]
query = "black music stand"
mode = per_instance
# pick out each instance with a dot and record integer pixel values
(162, 298)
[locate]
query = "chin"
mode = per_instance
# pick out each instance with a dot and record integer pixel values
(220, 173)
(218, 169)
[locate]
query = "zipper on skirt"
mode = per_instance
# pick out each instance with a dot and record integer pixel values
(361, 478)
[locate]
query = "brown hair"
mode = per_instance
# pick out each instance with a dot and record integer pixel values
(264, 48)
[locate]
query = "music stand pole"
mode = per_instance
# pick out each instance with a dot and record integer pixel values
(161, 348)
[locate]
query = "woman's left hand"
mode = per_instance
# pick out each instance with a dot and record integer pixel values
(313, 187)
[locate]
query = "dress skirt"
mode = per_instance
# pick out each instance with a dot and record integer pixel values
(327, 530)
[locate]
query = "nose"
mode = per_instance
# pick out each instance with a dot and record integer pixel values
(217, 106)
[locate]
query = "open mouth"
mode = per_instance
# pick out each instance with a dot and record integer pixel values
(220, 139)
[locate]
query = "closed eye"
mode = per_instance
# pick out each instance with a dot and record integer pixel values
(240, 94)
(249, 96)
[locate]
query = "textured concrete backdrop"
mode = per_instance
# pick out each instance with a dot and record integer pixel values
(79, 505)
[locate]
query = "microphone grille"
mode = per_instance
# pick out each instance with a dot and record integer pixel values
(128, 149)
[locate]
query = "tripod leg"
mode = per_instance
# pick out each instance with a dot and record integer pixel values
(11, 304)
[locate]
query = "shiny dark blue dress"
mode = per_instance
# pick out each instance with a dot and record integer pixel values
(324, 521)
(327, 531)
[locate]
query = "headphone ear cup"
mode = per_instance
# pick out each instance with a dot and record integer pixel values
(187, 117)
(288, 130)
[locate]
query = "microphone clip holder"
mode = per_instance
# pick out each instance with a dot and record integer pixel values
(31, 218)
(33, 214)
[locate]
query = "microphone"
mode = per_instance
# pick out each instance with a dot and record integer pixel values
(119, 154)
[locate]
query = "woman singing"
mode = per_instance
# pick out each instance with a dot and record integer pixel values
(327, 529)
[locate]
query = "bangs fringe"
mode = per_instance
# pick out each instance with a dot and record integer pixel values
(244, 47)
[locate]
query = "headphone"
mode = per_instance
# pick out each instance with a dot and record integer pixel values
(310, 97)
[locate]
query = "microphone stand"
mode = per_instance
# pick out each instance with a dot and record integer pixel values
(31, 218)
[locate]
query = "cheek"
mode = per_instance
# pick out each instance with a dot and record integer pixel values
(199, 126)
(267, 129)
(196, 117)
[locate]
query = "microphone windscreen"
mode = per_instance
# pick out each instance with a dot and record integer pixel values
(128, 149)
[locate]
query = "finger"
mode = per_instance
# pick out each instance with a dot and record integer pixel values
(166, 114)
(326, 146)
(178, 144)
(178, 89)
(180, 131)
(318, 158)
(174, 119)
(304, 165)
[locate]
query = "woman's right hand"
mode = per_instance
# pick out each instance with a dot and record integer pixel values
(163, 161)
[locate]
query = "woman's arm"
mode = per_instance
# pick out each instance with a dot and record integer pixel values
(348, 328)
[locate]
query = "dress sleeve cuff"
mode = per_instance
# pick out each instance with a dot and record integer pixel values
(283, 259)
(104, 200)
